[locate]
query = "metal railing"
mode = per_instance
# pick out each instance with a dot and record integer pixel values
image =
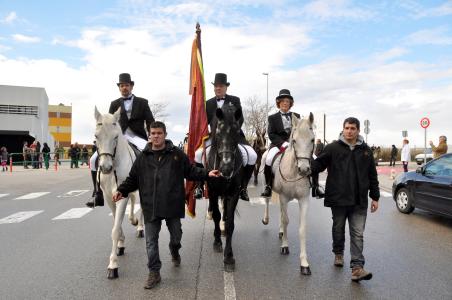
(45, 160)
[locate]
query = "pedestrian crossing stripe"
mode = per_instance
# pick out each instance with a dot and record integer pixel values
(74, 193)
(19, 216)
(3, 195)
(32, 196)
(385, 194)
(73, 213)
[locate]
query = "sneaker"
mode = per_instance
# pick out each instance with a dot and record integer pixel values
(153, 279)
(267, 192)
(358, 274)
(339, 260)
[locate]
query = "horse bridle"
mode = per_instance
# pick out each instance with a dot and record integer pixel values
(296, 158)
(234, 154)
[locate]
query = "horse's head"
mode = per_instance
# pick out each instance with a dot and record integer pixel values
(227, 137)
(260, 141)
(107, 133)
(302, 141)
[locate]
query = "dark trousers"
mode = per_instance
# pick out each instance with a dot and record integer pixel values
(152, 230)
(392, 161)
(356, 217)
(405, 166)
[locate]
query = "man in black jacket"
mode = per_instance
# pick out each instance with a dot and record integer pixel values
(135, 112)
(158, 173)
(352, 177)
(249, 156)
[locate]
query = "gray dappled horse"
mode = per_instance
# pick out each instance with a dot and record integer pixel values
(116, 158)
(224, 155)
(292, 181)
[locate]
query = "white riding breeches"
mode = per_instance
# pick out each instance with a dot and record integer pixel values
(249, 156)
(272, 152)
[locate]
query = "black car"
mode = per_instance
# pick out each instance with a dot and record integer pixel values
(429, 187)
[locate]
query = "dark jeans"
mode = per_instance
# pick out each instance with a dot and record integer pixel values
(152, 230)
(392, 161)
(356, 217)
(405, 166)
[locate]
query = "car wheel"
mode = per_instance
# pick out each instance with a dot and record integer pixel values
(419, 162)
(404, 202)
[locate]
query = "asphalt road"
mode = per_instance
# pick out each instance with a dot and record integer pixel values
(43, 258)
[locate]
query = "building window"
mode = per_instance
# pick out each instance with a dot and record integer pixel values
(58, 114)
(19, 110)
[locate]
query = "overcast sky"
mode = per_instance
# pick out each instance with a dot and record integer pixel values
(386, 61)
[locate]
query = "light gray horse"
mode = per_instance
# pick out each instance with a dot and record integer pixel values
(116, 158)
(292, 170)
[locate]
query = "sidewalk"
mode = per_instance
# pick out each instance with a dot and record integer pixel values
(384, 173)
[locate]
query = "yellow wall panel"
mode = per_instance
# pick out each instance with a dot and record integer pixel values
(59, 122)
(62, 137)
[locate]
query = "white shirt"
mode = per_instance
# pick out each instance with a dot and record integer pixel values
(405, 153)
(286, 120)
(128, 106)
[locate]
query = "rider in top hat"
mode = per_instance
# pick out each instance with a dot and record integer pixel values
(249, 156)
(135, 112)
(279, 129)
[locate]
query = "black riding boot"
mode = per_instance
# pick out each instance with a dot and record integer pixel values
(316, 190)
(268, 181)
(246, 176)
(199, 185)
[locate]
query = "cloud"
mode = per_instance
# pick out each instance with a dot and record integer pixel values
(392, 53)
(444, 9)
(10, 18)
(25, 38)
(436, 36)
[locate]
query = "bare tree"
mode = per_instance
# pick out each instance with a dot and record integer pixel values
(158, 110)
(255, 115)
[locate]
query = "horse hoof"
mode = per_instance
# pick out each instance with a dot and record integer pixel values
(284, 250)
(217, 247)
(209, 215)
(280, 235)
(265, 221)
(112, 273)
(229, 264)
(305, 270)
(121, 251)
(140, 234)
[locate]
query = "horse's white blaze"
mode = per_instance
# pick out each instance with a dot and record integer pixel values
(32, 196)
(19, 216)
(73, 213)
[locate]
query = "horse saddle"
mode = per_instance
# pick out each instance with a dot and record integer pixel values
(135, 149)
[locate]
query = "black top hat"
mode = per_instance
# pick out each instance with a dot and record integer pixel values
(125, 78)
(221, 78)
(284, 94)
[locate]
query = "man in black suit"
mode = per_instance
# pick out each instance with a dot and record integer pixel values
(135, 112)
(249, 156)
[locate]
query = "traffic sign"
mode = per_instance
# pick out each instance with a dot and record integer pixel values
(366, 123)
(366, 130)
(404, 133)
(425, 122)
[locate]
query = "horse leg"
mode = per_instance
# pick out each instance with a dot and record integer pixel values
(304, 265)
(132, 219)
(136, 219)
(266, 218)
(283, 202)
(230, 203)
(118, 215)
(221, 209)
(256, 170)
(216, 216)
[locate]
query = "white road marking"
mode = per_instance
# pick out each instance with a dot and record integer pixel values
(135, 209)
(32, 196)
(3, 195)
(73, 213)
(19, 217)
(386, 194)
(257, 200)
(229, 288)
(74, 193)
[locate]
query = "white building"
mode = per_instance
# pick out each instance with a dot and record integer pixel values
(23, 117)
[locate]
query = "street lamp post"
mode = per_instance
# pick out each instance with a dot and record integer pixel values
(266, 107)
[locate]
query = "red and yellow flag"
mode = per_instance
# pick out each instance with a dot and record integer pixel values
(198, 130)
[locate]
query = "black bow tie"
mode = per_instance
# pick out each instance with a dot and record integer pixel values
(219, 99)
(285, 114)
(128, 98)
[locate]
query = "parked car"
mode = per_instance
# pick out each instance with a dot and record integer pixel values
(428, 188)
(420, 157)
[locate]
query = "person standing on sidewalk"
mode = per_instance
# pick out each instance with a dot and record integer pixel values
(405, 155)
(46, 155)
(352, 177)
(393, 158)
(158, 173)
(441, 148)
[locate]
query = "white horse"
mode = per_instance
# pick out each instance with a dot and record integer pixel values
(115, 161)
(292, 170)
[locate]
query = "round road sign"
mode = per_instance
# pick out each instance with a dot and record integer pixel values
(425, 122)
